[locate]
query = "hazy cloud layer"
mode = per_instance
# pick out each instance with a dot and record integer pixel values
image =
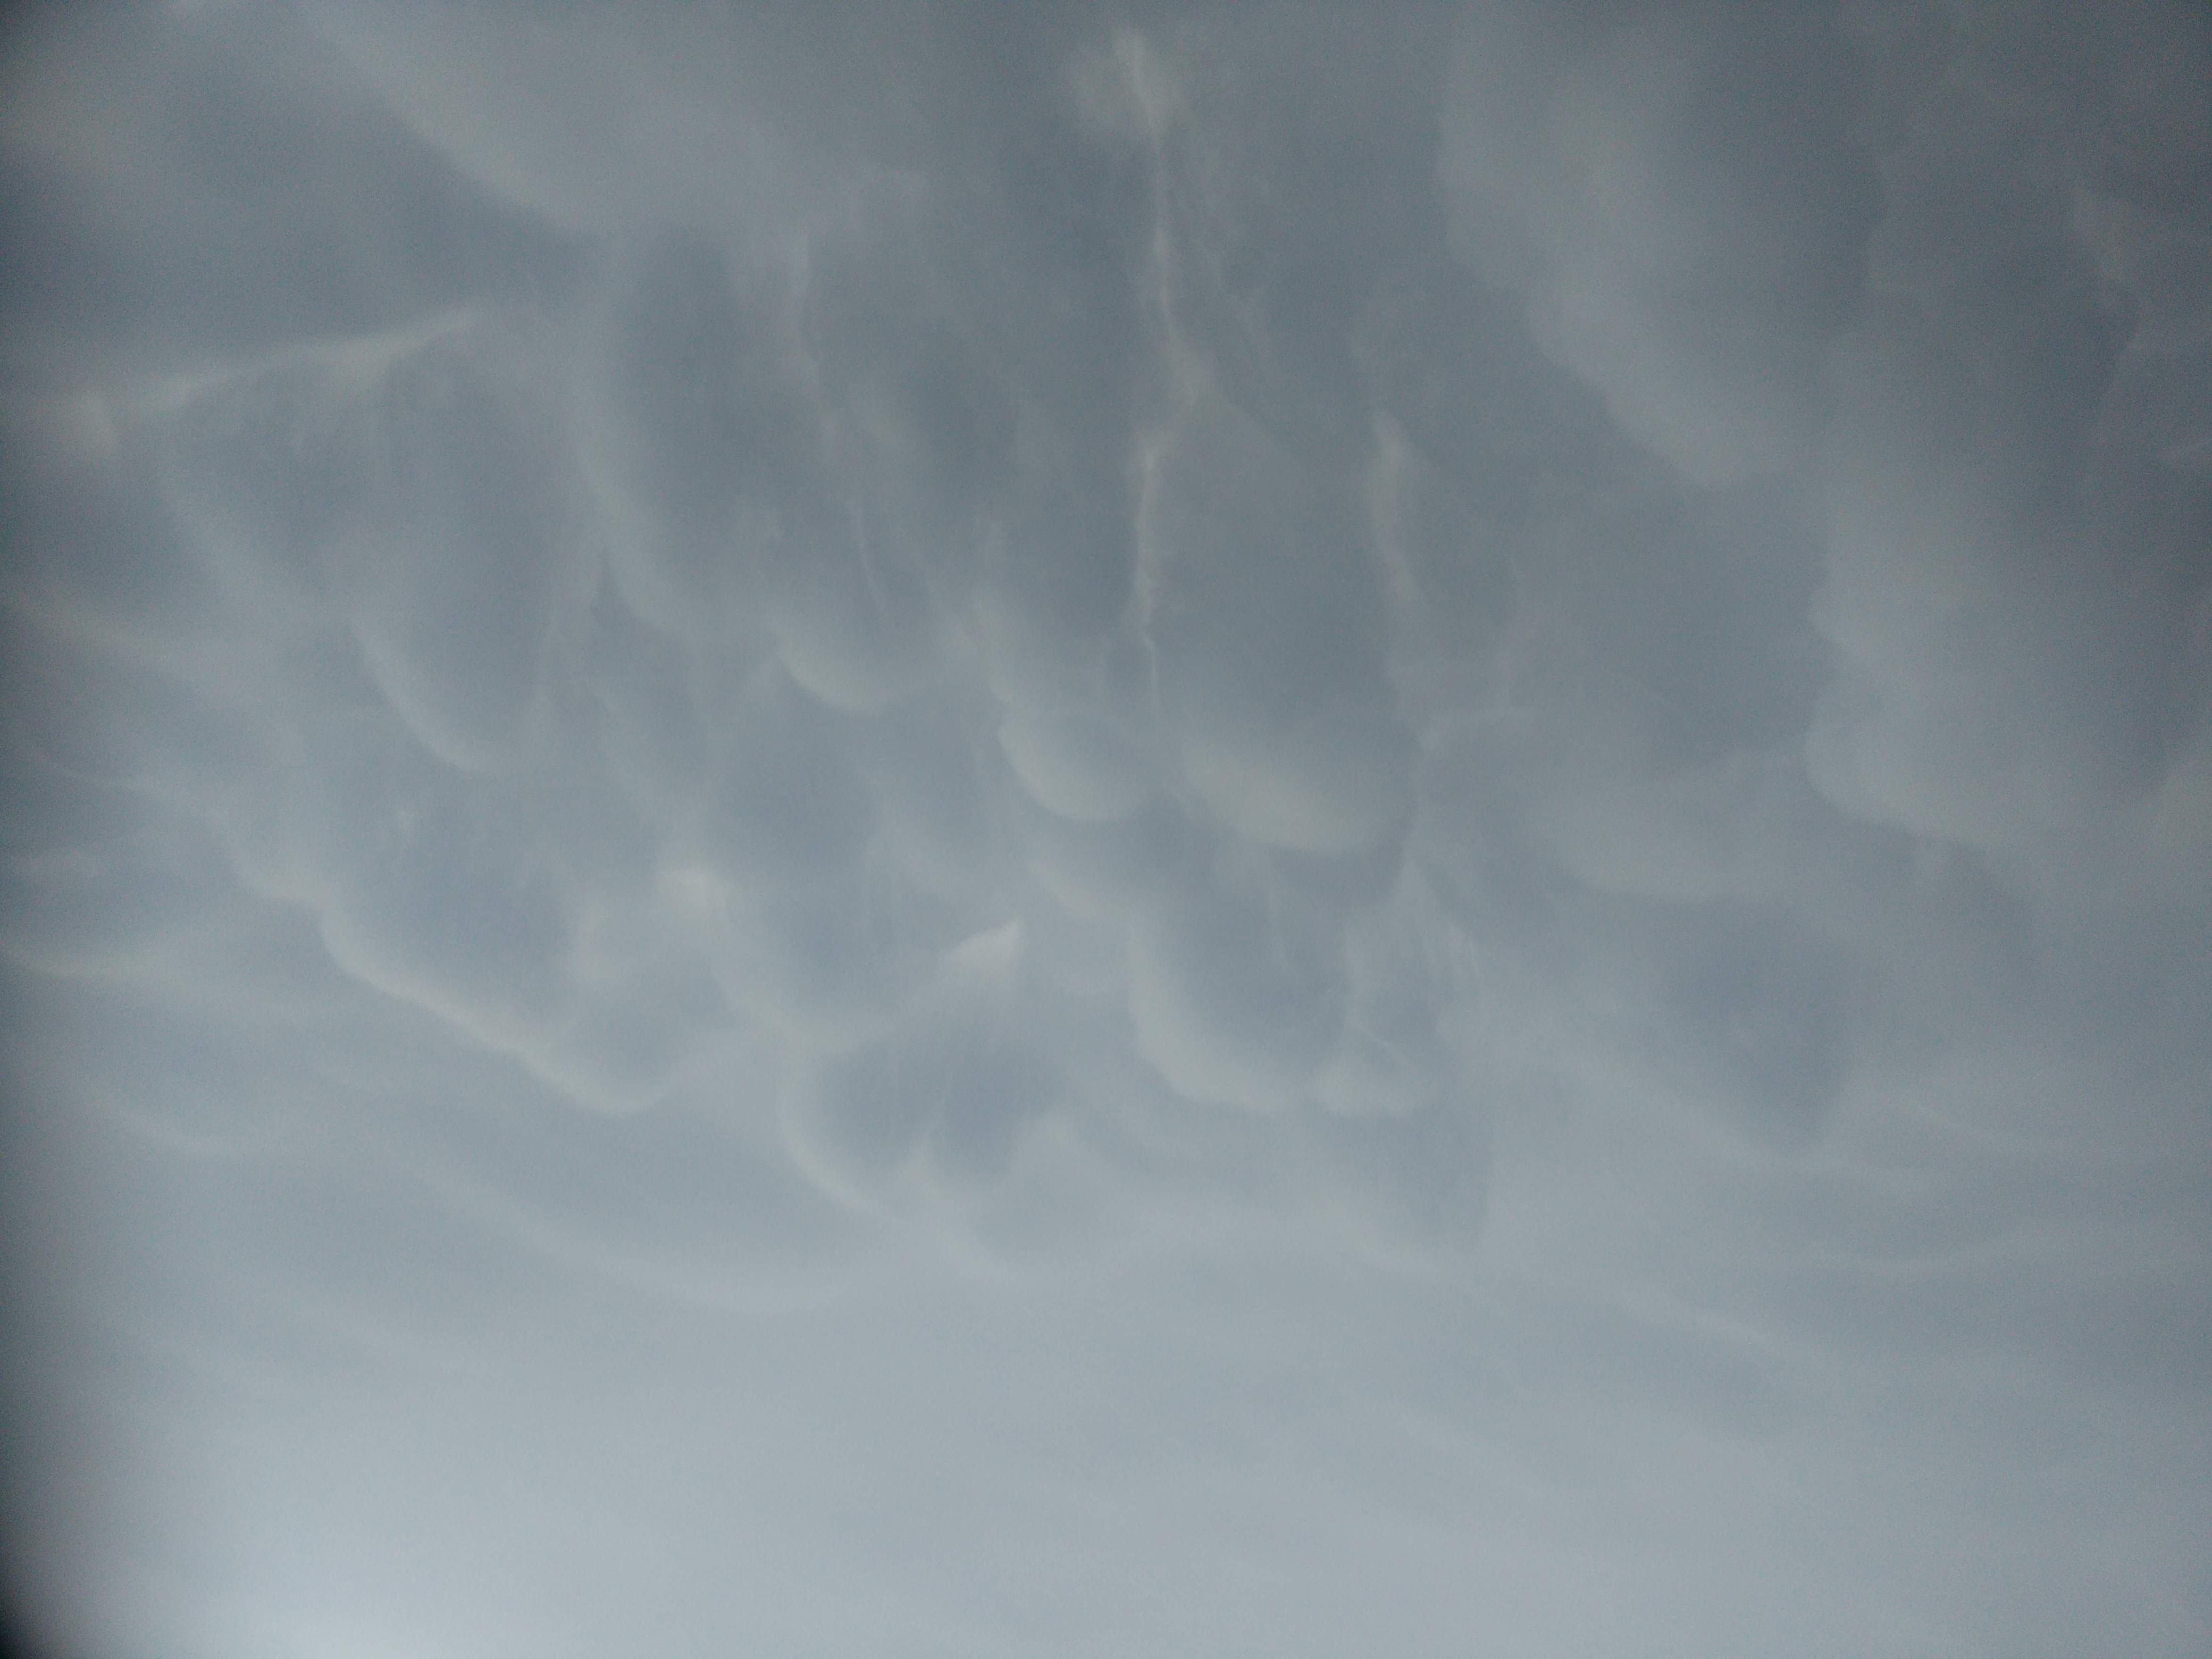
(1049, 830)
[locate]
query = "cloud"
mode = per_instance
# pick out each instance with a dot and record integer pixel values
(2029, 523)
(1192, 830)
(1681, 198)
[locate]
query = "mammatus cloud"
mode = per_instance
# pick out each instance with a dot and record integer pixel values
(1685, 200)
(1041, 830)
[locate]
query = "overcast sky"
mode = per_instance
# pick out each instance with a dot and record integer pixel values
(1048, 832)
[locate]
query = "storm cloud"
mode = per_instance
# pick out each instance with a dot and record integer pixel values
(1092, 830)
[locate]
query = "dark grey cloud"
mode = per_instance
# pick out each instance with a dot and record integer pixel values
(1036, 829)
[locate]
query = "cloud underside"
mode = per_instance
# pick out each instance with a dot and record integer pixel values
(1550, 661)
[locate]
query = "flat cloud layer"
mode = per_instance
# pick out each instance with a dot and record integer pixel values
(1071, 830)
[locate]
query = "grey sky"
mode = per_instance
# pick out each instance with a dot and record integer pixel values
(920, 830)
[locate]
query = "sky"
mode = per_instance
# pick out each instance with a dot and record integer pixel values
(951, 831)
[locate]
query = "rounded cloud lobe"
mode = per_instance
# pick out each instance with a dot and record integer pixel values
(1551, 663)
(1683, 197)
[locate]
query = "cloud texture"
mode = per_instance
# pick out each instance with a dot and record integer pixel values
(1040, 829)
